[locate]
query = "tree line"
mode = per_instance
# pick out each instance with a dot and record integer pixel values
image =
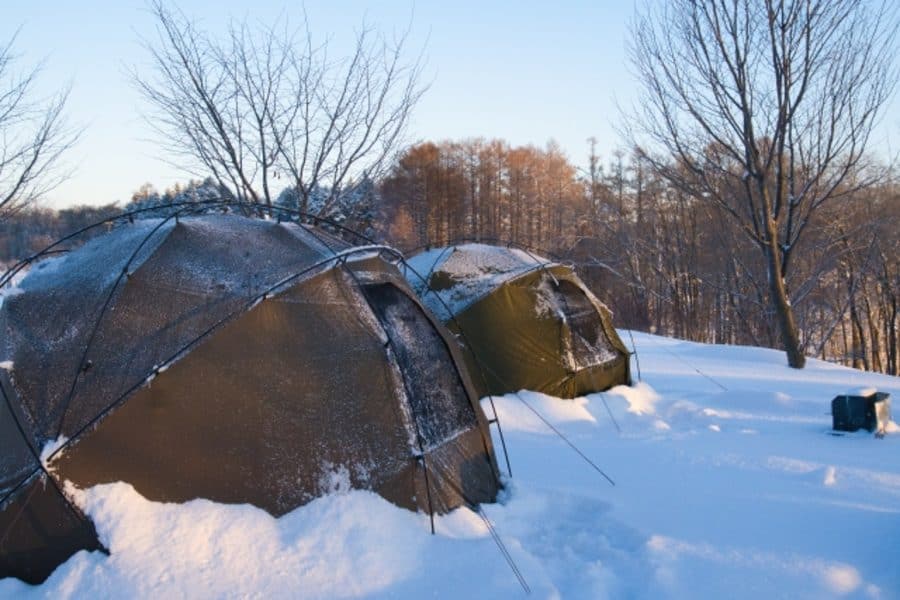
(481, 189)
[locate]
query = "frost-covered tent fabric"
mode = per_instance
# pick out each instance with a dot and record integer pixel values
(234, 359)
(524, 322)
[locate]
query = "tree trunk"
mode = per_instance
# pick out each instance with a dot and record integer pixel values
(781, 304)
(892, 339)
(860, 354)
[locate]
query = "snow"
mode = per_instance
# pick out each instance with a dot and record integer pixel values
(329, 549)
(6, 365)
(50, 449)
(11, 287)
(468, 272)
(864, 391)
(728, 483)
(9, 292)
(516, 416)
(640, 397)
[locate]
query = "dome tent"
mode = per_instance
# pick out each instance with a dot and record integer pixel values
(234, 359)
(523, 321)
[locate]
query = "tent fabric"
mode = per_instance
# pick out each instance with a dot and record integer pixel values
(524, 322)
(234, 359)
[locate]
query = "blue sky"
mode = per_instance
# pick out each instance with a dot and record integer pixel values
(525, 71)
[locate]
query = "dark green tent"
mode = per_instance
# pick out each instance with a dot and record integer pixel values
(234, 359)
(524, 322)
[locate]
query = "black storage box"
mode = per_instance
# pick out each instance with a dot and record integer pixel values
(865, 409)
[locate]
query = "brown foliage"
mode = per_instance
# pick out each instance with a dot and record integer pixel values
(483, 190)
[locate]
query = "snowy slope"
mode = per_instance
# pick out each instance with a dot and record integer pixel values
(727, 485)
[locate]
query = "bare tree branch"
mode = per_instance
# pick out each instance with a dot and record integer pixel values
(267, 102)
(34, 135)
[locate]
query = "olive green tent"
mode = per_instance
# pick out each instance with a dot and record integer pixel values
(523, 321)
(234, 359)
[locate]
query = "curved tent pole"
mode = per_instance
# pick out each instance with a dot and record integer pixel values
(530, 250)
(468, 501)
(158, 368)
(191, 208)
(260, 297)
(393, 353)
(637, 361)
(198, 208)
(478, 362)
(83, 366)
(41, 467)
(419, 441)
(187, 208)
(178, 353)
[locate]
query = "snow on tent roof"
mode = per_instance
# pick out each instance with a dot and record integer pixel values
(227, 236)
(460, 275)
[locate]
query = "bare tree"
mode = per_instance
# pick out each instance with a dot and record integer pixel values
(33, 135)
(268, 103)
(763, 108)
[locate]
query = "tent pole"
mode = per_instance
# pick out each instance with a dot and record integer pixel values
(171, 359)
(342, 262)
(468, 346)
(637, 361)
(79, 516)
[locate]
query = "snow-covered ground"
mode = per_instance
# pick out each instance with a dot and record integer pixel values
(728, 485)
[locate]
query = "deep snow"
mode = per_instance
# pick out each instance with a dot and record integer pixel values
(728, 484)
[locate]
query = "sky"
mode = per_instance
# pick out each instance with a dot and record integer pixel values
(525, 71)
